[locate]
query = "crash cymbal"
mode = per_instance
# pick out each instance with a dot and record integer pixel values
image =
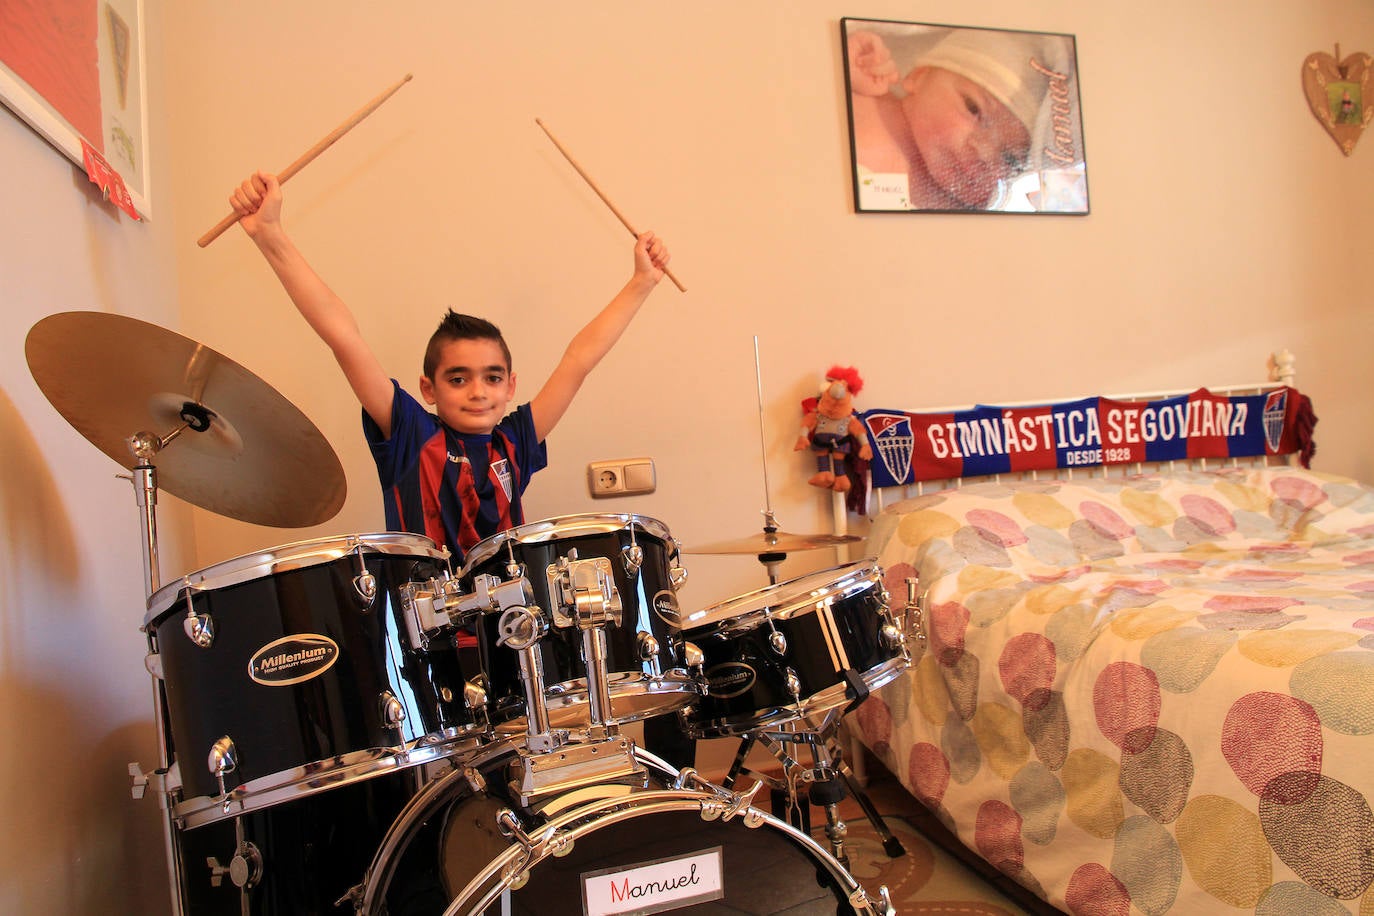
(220, 437)
(766, 542)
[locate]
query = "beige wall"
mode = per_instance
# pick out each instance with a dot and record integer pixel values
(75, 700)
(1225, 224)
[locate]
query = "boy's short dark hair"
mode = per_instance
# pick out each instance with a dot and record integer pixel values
(461, 327)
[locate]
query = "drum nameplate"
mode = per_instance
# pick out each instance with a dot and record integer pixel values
(293, 659)
(655, 886)
(730, 679)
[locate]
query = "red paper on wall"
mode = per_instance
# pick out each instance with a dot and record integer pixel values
(107, 179)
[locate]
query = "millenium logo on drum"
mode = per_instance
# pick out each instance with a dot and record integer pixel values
(730, 679)
(292, 659)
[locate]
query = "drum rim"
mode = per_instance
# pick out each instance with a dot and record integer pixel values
(324, 776)
(843, 579)
(579, 821)
(547, 530)
(260, 564)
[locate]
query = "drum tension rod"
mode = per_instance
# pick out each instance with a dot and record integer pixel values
(199, 627)
(632, 556)
(364, 583)
(917, 624)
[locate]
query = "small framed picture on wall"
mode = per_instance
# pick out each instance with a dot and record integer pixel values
(956, 119)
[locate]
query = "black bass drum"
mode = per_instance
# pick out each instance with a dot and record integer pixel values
(672, 843)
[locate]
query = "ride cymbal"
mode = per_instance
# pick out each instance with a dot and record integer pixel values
(220, 437)
(766, 542)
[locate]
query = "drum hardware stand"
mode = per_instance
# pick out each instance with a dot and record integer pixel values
(826, 781)
(550, 763)
(433, 606)
(586, 598)
(166, 778)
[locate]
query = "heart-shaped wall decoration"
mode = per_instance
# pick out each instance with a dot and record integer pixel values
(1339, 94)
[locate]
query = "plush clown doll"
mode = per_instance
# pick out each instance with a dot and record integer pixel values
(831, 430)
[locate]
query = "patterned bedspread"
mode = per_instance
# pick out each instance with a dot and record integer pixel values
(1152, 692)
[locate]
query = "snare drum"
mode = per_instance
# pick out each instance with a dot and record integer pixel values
(646, 674)
(293, 671)
(795, 649)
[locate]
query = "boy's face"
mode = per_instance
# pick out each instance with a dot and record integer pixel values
(968, 140)
(472, 385)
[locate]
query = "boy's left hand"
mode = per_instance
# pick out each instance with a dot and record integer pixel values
(651, 256)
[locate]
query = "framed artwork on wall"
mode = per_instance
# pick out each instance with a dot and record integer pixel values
(956, 119)
(74, 70)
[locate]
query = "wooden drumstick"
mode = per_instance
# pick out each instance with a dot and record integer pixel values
(309, 155)
(604, 199)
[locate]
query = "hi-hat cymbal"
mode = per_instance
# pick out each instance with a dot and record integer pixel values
(223, 439)
(766, 542)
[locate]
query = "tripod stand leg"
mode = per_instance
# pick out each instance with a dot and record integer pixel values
(746, 744)
(891, 845)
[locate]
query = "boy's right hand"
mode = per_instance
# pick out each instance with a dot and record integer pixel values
(872, 71)
(258, 203)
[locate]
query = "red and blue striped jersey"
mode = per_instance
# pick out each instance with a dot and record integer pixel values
(454, 488)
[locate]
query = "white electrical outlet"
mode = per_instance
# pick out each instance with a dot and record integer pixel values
(621, 477)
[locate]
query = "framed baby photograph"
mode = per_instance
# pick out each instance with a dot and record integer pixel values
(952, 119)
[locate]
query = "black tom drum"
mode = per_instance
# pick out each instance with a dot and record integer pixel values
(293, 671)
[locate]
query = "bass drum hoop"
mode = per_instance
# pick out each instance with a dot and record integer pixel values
(578, 822)
(574, 824)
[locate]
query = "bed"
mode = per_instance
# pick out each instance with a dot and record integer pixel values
(1137, 686)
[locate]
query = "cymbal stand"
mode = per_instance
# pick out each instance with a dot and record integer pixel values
(165, 779)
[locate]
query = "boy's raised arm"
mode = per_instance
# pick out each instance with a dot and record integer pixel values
(258, 200)
(594, 341)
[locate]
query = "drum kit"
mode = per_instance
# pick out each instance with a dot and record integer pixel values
(350, 724)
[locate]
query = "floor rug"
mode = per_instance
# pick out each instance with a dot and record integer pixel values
(926, 880)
